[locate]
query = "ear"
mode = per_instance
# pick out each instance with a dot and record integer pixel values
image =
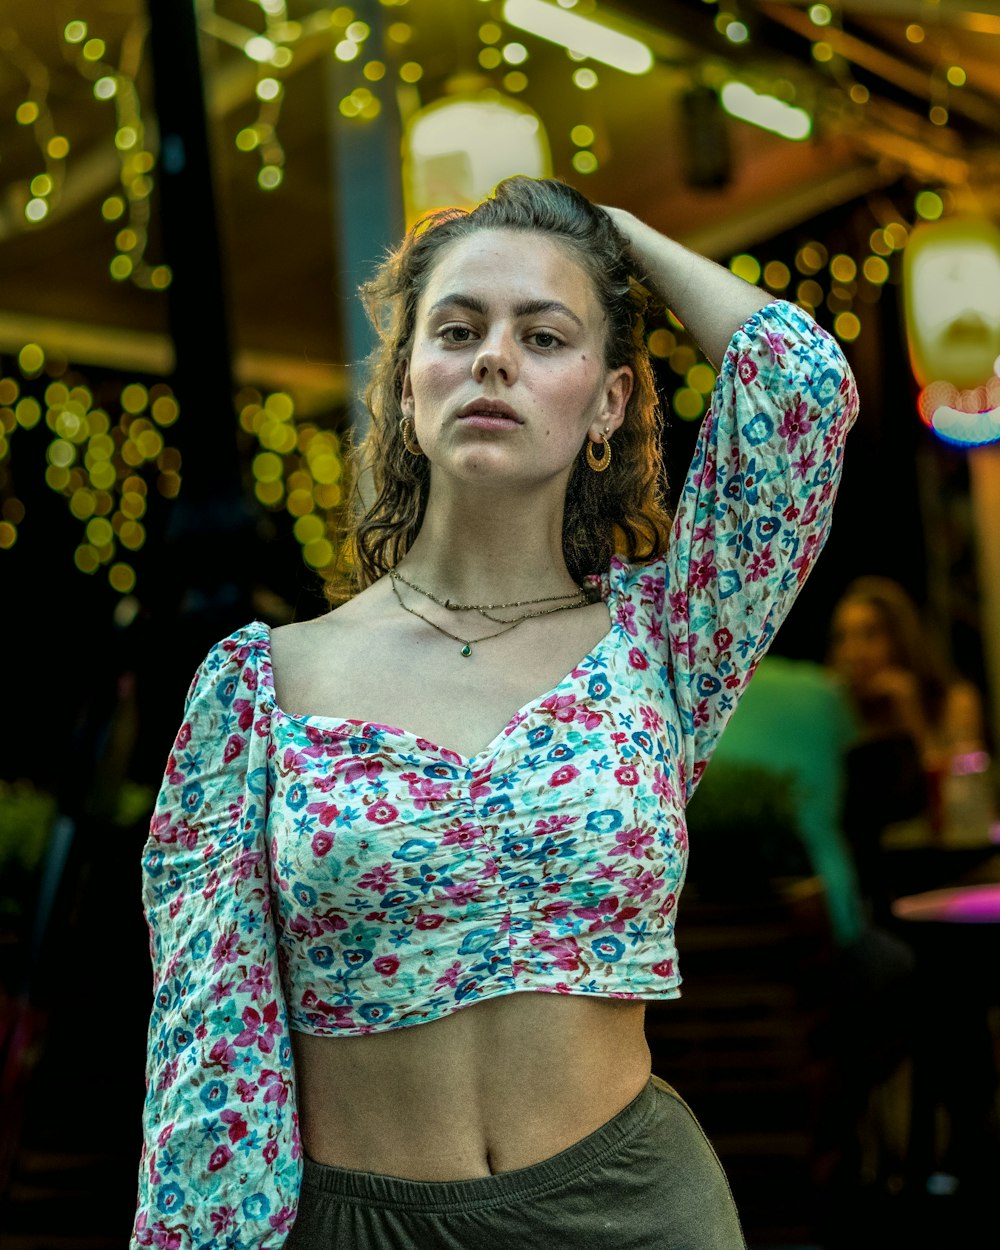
(617, 391)
(406, 390)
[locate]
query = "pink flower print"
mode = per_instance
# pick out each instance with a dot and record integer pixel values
(449, 978)
(704, 571)
(562, 776)
(625, 617)
(805, 462)
(563, 953)
(322, 843)
(651, 718)
(378, 880)
(285, 1218)
(555, 911)
(681, 838)
(678, 606)
(244, 710)
(603, 909)
(219, 1158)
(386, 965)
(668, 904)
(733, 681)
(795, 424)
(463, 892)
(588, 719)
(627, 775)
(257, 981)
(605, 872)
(665, 968)
(424, 791)
(354, 769)
(223, 1219)
(723, 639)
(654, 590)
(637, 659)
(775, 344)
(761, 564)
(327, 812)
(428, 920)
(746, 369)
(246, 1091)
(382, 812)
(463, 835)
(631, 842)
(226, 950)
(183, 737)
(642, 887)
(561, 707)
(701, 713)
(259, 1029)
(233, 749)
(278, 1087)
(237, 1125)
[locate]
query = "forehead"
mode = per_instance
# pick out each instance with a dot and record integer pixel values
(509, 266)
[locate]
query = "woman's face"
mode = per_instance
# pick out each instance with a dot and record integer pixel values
(506, 375)
(860, 644)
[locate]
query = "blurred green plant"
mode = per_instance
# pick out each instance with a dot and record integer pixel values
(27, 815)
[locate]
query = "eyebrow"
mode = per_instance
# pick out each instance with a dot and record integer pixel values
(527, 308)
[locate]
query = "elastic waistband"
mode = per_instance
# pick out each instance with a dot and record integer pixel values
(372, 1189)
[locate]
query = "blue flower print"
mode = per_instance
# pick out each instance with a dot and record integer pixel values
(192, 796)
(414, 849)
(398, 898)
(708, 685)
(643, 740)
(429, 878)
(758, 429)
(439, 771)
(496, 805)
(153, 863)
(304, 894)
(201, 944)
(733, 489)
(321, 956)
(182, 1039)
(256, 1206)
(751, 482)
(517, 847)
(599, 687)
(561, 752)
(605, 822)
(767, 527)
(826, 386)
(227, 690)
(729, 582)
(214, 1095)
(471, 987)
(609, 949)
(477, 941)
(170, 1197)
(540, 735)
(356, 957)
(375, 1013)
(297, 796)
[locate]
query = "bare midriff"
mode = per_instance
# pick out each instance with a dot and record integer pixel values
(494, 1086)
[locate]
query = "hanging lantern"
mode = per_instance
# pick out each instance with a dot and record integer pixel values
(951, 288)
(456, 150)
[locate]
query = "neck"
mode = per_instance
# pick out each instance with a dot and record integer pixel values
(478, 548)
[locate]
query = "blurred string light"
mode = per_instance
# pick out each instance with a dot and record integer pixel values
(297, 468)
(584, 36)
(32, 200)
(766, 111)
(105, 467)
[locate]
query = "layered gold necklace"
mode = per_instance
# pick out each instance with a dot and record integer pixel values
(578, 599)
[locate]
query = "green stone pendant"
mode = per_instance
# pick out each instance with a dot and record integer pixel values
(467, 650)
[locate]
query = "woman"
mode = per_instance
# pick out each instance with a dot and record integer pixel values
(399, 899)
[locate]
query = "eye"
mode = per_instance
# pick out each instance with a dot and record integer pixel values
(457, 334)
(545, 338)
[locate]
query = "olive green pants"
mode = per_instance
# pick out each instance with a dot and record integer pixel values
(646, 1180)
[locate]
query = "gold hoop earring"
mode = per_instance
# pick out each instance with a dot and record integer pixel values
(601, 462)
(408, 433)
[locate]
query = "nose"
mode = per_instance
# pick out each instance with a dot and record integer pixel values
(496, 358)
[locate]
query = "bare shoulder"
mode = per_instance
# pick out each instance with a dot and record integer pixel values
(304, 650)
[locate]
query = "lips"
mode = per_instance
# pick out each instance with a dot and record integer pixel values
(495, 408)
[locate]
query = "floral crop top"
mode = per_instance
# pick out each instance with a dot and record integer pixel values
(339, 877)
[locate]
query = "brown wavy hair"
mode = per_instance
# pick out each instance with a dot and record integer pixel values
(621, 510)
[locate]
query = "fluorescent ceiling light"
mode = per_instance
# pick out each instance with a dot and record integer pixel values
(765, 111)
(580, 34)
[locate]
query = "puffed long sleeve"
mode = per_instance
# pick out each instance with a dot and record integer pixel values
(753, 516)
(221, 1159)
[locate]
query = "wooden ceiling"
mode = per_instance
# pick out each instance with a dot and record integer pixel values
(280, 247)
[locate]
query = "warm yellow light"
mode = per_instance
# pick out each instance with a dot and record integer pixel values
(122, 577)
(847, 326)
(859, 93)
(661, 343)
(515, 81)
(75, 32)
(28, 411)
(938, 114)
(843, 268)
(374, 71)
(93, 49)
(105, 88)
(929, 205)
(260, 49)
(112, 208)
(765, 111)
(582, 136)
(584, 161)
(956, 75)
(31, 359)
(821, 51)
(41, 184)
(809, 293)
(915, 33)
(8, 535)
(268, 89)
(682, 358)
(701, 377)
(515, 53)
(746, 267)
(125, 138)
(489, 58)
(820, 14)
(490, 32)
(585, 79)
(85, 558)
(161, 277)
(27, 113)
(411, 71)
(688, 403)
(358, 31)
(737, 32)
(318, 553)
(897, 235)
(876, 270)
(36, 210)
(777, 275)
(579, 34)
(400, 32)
(247, 139)
(269, 177)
